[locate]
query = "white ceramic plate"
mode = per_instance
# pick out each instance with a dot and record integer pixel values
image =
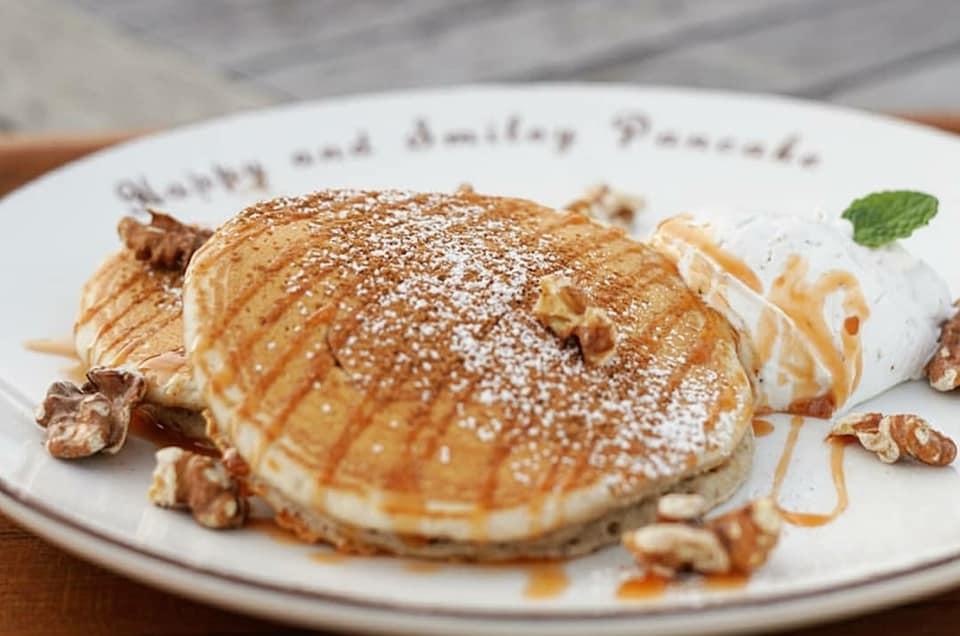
(682, 150)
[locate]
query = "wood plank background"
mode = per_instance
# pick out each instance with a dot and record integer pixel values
(109, 65)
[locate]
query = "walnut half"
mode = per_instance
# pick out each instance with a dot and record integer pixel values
(566, 311)
(893, 437)
(943, 370)
(183, 479)
(165, 242)
(737, 542)
(597, 336)
(82, 421)
(610, 206)
(561, 305)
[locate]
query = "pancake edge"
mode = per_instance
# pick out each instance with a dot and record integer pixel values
(716, 485)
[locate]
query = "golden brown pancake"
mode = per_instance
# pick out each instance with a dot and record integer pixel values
(130, 318)
(375, 359)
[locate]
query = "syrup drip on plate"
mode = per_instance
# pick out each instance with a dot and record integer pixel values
(810, 519)
(725, 581)
(144, 426)
(762, 428)
(64, 348)
(76, 373)
(267, 526)
(643, 587)
(328, 557)
(546, 580)
(422, 567)
(651, 586)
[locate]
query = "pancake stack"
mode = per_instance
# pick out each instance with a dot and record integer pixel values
(375, 360)
(130, 318)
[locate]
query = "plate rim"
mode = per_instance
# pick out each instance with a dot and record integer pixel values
(237, 117)
(942, 571)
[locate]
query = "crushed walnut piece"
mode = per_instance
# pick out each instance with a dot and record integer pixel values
(749, 534)
(597, 336)
(235, 464)
(201, 484)
(893, 437)
(566, 311)
(737, 542)
(681, 507)
(92, 418)
(561, 305)
(165, 242)
(943, 370)
(610, 206)
(668, 548)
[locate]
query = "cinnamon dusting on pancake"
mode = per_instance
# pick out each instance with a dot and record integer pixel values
(389, 340)
(131, 316)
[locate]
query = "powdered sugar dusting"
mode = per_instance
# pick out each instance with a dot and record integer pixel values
(438, 309)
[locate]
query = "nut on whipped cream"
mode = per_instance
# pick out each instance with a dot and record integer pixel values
(824, 323)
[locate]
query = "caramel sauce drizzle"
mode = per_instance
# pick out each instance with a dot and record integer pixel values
(675, 310)
(546, 580)
(652, 586)
(269, 527)
(414, 502)
(643, 587)
(327, 557)
(762, 428)
(319, 369)
(120, 313)
(241, 354)
(96, 308)
(147, 428)
(76, 373)
(804, 304)
(276, 265)
(589, 250)
(258, 230)
(64, 347)
(411, 500)
(556, 478)
(166, 363)
(339, 450)
(680, 227)
(145, 283)
(428, 438)
(422, 567)
(807, 519)
(341, 446)
(125, 333)
(725, 581)
(266, 275)
(144, 336)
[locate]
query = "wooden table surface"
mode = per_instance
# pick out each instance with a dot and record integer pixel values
(45, 591)
(89, 64)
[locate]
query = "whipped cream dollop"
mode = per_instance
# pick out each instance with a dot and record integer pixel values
(824, 323)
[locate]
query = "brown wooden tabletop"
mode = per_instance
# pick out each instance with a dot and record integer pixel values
(44, 590)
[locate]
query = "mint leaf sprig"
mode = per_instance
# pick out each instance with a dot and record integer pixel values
(883, 217)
